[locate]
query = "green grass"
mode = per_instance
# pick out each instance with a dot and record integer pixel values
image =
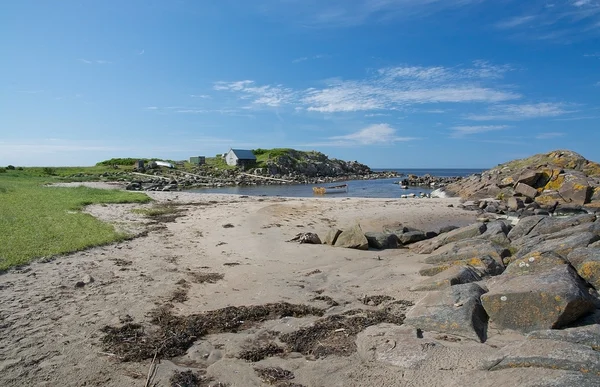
(38, 221)
(157, 211)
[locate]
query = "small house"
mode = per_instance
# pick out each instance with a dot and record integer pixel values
(240, 157)
(139, 165)
(198, 160)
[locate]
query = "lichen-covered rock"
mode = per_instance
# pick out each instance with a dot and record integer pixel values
(430, 245)
(525, 226)
(469, 249)
(453, 276)
(485, 265)
(456, 310)
(576, 189)
(550, 225)
(353, 238)
(526, 190)
(550, 299)
(586, 335)
(561, 246)
(556, 355)
(497, 232)
(534, 263)
(332, 236)
(586, 260)
(380, 240)
(531, 241)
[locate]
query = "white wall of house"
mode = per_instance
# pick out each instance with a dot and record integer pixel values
(231, 158)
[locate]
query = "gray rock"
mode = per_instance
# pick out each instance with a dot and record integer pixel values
(497, 231)
(353, 238)
(515, 203)
(380, 240)
(396, 345)
(87, 279)
(586, 260)
(529, 177)
(332, 236)
(453, 276)
(396, 229)
(556, 355)
(534, 263)
(446, 229)
(587, 335)
(307, 237)
(412, 237)
(469, 249)
(525, 303)
(561, 246)
(456, 310)
(550, 225)
(524, 226)
(485, 265)
(526, 190)
(471, 231)
(528, 377)
(532, 240)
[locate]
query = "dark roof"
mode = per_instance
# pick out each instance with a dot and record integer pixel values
(243, 154)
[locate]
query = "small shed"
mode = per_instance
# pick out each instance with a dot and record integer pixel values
(198, 160)
(240, 157)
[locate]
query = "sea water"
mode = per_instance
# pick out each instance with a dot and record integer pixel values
(379, 188)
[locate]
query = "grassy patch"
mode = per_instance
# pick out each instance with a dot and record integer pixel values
(38, 221)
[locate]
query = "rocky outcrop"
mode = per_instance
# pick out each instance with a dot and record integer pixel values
(453, 276)
(353, 238)
(561, 176)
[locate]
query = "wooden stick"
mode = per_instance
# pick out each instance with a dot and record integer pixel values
(151, 371)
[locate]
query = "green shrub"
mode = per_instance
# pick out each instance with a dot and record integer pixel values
(10, 167)
(2, 170)
(49, 171)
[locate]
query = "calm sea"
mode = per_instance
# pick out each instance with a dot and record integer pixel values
(380, 188)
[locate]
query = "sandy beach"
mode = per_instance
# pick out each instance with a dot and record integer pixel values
(51, 326)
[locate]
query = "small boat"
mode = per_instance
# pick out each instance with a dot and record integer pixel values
(332, 189)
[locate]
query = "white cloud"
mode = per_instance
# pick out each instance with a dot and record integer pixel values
(387, 89)
(202, 96)
(460, 131)
(97, 61)
(581, 3)
(302, 59)
(305, 58)
(521, 112)
(549, 135)
(373, 134)
(141, 52)
(516, 21)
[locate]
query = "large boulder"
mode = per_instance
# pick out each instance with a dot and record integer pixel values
(453, 276)
(526, 190)
(469, 249)
(545, 300)
(576, 189)
(531, 241)
(380, 240)
(332, 236)
(485, 265)
(535, 263)
(412, 237)
(561, 246)
(456, 310)
(550, 225)
(586, 260)
(525, 226)
(467, 232)
(529, 177)
(497, 232)
(353, 238)
(586, 335)
(555, 355)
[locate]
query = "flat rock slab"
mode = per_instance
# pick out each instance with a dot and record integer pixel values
(486, 265)
(550, 225)
(381, 241)
(527, 377)
(526, 190)
(586, 260)
(587, 335)
(497, 232)
(412, 237)
(396, 345)
(456, 310)
(546, 300)
(469, 249)
(561, 246)
(532, 240)
(453, 276)
(556, 355)
(353, 238)
(534, 263)
(471, 231)
(525, 226)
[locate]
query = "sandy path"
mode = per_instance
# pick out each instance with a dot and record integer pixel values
(50, 330)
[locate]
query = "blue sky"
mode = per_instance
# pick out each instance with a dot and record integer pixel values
(391, 83)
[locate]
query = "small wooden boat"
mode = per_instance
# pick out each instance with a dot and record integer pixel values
(332, 189)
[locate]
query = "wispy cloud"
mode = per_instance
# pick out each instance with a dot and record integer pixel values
(377, 134)
(516, 112)
(96, 61)
(305, 58)
(461, 131)
(269, 95)
(340, 13)
(549, 135)
(141, 52)
(389, 88)
(202, 96)
(561, 21)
